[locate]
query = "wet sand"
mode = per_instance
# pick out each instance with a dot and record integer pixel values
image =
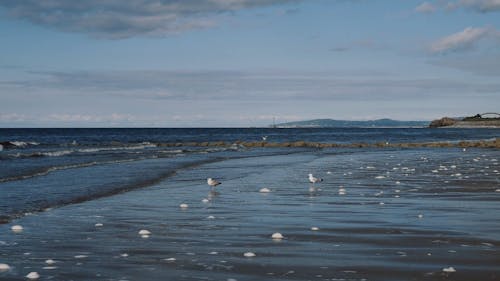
(405, 215)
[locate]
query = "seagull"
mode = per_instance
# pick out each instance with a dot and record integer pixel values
(313, 179)
(264, 138)
(212, 183)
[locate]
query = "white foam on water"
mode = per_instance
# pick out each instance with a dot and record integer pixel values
(17, 228)
(342, 191)
(33, 275)
(277, 236)
(264, 190)
(56, 153)
(49, 267)
(249, 254)
(4, 267)
(449, 269)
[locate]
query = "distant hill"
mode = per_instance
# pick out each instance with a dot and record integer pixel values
(379, 123)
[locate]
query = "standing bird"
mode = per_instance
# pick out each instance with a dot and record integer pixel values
(212, 183)
(313, 180)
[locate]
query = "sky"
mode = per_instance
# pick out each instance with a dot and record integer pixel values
(243, 63)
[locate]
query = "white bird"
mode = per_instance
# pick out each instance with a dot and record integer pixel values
(264, 138)
(212, 182)
(313, 179)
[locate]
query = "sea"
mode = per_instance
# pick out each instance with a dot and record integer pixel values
(134, 204)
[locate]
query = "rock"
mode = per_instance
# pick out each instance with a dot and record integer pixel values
(443, 122)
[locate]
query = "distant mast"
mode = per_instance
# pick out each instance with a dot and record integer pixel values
(274, 122)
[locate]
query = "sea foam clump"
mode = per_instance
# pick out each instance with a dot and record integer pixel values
(17, 228)
(277, 236)
(144, 233)
(449, 269)
(249, 255)
(4, 267)
(264, 190)
(33, 275)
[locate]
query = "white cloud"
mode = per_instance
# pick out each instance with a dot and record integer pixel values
(425, 8)
(463, 40)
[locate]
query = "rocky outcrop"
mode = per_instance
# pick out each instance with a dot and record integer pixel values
(443, 122)
(469, 122)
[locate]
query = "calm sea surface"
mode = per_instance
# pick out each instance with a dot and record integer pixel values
(83, 195)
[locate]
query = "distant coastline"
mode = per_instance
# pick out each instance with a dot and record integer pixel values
(332, 123)
(485, 120)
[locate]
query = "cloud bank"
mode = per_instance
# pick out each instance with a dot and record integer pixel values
(230, 98)
(115, 19)
(237, 86)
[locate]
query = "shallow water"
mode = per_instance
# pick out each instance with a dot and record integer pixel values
(406, 214)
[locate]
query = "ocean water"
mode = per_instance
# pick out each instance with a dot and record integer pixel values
(83, 195)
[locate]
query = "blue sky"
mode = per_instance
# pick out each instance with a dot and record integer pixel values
(208, 63)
